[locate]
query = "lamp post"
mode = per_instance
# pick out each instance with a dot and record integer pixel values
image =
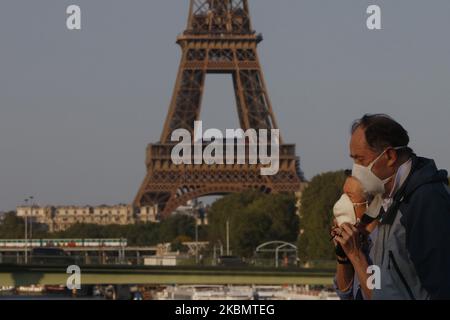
(31, 222)
(26, 231)
(196, 242)
(228, 237)
(30, 201)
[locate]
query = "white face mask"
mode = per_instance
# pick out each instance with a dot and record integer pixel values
(344, 210)
(371, 183)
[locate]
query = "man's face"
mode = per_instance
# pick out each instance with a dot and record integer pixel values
(362, 154)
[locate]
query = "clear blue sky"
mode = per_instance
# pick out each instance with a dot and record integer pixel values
(77, 109)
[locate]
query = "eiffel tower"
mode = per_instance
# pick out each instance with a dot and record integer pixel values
(219, 39)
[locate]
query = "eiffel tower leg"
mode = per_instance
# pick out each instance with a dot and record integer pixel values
(252, 94)
(186, 101)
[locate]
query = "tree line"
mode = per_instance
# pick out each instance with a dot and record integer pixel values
(253, 218)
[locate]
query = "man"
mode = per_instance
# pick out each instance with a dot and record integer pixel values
(412, 204)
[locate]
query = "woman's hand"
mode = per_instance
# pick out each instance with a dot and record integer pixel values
(350, 240)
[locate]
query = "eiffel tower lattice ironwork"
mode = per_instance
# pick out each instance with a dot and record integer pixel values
(219, 39)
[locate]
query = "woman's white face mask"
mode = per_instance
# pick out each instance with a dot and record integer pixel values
(344, 210)
(370, 182)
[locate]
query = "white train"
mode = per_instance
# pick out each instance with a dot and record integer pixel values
(63, 243)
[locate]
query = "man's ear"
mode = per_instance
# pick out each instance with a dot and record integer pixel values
(392, 157)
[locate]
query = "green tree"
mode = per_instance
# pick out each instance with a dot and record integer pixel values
(254, 218)
(316, 215)
(176, 225)
(177, 244)
(229, 208)
(12, 227)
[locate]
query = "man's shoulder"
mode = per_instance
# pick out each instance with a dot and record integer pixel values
(447, 189)
(431, 194)
(427, 207)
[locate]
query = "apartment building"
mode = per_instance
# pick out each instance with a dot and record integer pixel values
(62, 217)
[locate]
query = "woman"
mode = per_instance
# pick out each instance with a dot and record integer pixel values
(351, 284)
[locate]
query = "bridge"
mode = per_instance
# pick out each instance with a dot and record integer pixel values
(25, 275)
